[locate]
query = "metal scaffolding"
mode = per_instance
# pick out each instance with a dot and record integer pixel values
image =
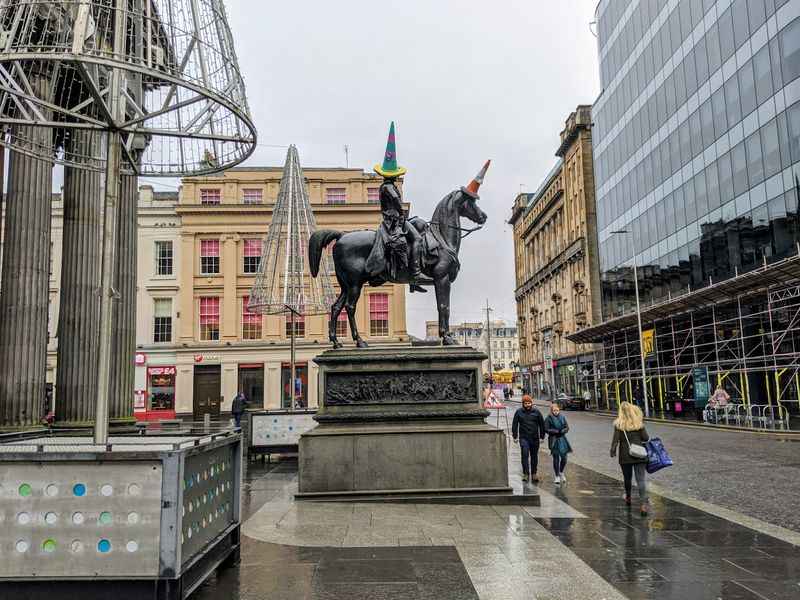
(750, 346)
(743, 332)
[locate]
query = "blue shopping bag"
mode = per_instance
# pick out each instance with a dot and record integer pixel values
(657, 456)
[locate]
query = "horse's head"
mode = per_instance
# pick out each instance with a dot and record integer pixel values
(467, 206)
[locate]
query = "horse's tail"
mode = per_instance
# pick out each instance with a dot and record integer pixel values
(316, 244)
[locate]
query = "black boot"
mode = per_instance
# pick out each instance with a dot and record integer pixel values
(415, 267)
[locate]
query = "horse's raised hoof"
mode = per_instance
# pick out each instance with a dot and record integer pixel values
(449, 340)
(361, 343)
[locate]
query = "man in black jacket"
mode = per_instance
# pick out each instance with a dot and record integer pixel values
(237, 408)
(528, 427)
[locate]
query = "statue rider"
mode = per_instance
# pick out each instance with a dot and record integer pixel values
(398, 244)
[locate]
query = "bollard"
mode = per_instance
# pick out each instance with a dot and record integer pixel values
(207, 422)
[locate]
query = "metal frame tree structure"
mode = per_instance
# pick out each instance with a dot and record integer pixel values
(153, 85)
(283, 284)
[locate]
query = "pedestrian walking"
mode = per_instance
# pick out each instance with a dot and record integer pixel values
(638, 397)
(528, 427)
(630, 436)
(557, 428)
(506, 394)
(237, 408)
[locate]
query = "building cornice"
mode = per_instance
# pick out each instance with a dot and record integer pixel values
(575, 251)
(545, 212)
(579, 120)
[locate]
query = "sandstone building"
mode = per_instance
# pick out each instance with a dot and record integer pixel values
(557, 275)
(199, 252)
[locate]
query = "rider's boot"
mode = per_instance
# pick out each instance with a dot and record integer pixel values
(416, 267)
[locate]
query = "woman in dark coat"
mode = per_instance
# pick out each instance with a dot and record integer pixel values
(629, 430)
(556, 427)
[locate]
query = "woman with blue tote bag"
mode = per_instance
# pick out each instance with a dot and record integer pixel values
(557, 427)
(630, 436)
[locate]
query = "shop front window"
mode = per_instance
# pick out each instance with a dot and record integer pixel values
(300, 386)
(251, 382)
(161, 388)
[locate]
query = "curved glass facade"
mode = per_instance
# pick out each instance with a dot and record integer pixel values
(697, 142)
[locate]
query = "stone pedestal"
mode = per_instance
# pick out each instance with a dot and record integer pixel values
(401, 422)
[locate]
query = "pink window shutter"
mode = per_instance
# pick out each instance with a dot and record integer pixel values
(247, 317)
(209, 248)
(252, 247)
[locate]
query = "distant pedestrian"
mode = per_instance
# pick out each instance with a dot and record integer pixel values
(629, 432)
(638, 397)
(237, 408)
(557, 428)
(506, 394)
(528, 427)
(720, 397)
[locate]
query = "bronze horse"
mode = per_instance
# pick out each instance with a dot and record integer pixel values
(441, 243)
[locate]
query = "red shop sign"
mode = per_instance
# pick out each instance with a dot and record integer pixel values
(161, 370)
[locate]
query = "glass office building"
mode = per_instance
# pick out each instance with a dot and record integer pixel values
(697, 159)
(697, 136)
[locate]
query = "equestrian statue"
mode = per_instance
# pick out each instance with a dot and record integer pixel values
(403, 250)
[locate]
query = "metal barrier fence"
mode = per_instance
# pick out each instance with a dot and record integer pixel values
(763, 416)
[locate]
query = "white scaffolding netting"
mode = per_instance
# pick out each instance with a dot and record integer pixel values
(283, 278)
(185, 109)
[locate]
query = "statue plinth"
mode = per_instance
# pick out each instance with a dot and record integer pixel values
(403, 421)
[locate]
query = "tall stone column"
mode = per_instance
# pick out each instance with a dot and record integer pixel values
(25, 279)
(124, 315)
(79, 318)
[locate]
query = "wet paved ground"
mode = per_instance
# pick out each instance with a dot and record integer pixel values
(676, 552)
(581, 543)
(752, 474)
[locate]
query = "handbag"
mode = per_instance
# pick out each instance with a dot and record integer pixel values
(657, 456)
(635, 450)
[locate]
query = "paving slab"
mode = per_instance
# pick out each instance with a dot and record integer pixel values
(581, 542)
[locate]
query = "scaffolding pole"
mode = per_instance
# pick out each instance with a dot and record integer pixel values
(110, 225)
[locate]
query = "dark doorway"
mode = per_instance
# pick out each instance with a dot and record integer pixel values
(251, 382)
(207, 398)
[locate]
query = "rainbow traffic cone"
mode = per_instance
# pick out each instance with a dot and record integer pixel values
(389, 168)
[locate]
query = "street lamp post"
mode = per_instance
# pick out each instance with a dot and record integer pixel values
(639, 321)
(292, 358)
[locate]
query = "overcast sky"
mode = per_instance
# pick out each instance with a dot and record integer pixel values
(464, 80)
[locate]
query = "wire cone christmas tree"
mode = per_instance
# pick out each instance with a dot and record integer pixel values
(283, 283)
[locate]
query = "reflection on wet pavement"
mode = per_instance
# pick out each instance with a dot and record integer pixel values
(677, 552)
(582, 542)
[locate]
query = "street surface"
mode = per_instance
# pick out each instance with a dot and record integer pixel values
(756, 475)
(580, 543)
